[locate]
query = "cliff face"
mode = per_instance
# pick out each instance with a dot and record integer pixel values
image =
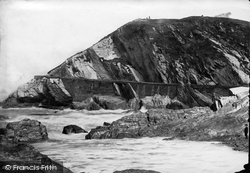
(194, 50)
(199, 50)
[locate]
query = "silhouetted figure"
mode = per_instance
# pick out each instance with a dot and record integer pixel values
(246, 131)
(140, 104)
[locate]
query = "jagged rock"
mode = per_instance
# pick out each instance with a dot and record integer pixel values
(198, 123)
(73, 129)
(39, 92)
(145, 124)
(26, 131)
(136, 171)
(88, 104)
(29, 94)
(110, 102)
(58, 91)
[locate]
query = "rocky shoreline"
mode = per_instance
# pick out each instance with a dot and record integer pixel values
(17, 154)
(198, 124)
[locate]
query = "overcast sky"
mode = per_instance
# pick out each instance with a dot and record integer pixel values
(37, 35)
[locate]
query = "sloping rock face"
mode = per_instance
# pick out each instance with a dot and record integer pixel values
(197, 50)
(193, 50)
(26, 131)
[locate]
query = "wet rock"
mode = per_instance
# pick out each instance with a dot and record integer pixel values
(136, 171)
(12, 153)
(110, 102)
(152, 123)
(3, 117)
(26, 131)
(198, 123)
(106, 124)
(3, 131)
(88, 104)
(97, 132)
(73, 129)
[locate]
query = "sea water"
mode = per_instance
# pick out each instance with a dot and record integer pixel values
(109, 155)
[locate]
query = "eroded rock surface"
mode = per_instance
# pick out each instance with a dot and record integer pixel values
(26, 131)
(198, 123)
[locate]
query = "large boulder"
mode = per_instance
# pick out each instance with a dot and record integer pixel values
(73, 129)
(12, 153)
(26, 131)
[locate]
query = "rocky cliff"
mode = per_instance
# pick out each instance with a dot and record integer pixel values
(199, 50)
(193, 50)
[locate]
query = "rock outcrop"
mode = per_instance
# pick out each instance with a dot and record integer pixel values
(15, 152)
(73, 129)
(26, 131)
(25, 155)
(198, 123)
(194, 50)
(38, 92)
(150, 124)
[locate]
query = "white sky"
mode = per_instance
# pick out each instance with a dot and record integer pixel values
(38, 35)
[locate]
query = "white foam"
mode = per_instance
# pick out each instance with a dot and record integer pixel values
(109, 155)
